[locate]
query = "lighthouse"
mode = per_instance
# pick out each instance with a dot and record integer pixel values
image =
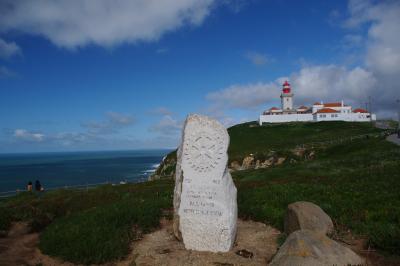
(287, 98)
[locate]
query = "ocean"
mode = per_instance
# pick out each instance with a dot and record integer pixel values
(77, 168)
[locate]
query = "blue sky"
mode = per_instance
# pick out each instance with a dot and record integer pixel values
(103, 75)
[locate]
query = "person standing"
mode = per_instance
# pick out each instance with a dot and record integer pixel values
(29, 187)
(38, 186)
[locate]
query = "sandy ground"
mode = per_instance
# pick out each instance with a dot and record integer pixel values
(256, 243)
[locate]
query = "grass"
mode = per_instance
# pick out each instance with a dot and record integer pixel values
(92, 226)
(250, 138)
(357, 183)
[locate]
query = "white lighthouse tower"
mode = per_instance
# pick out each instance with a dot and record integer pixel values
(287, 98)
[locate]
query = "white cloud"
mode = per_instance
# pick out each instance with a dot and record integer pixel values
(332, 83)
(160, 111)
(25, 135)
(8, 49)
(257, 59)
(377, 75)
(115, 118)
(105, 23)
(113, 122)
(358, 10)
(167, 126)
(311, 83)
(247, 96)
(382, 57)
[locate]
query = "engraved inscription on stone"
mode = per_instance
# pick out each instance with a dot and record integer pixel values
(205, 195)
(203, 151)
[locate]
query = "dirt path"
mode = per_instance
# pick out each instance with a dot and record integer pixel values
(20, 247)
(256, 243)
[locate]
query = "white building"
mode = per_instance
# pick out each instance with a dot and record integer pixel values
(320, 111)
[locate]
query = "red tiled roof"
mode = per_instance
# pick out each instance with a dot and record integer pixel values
(332, 104)
(360, 110)
(326, 110)
(302, 107)
(273, 109)
(317, 103)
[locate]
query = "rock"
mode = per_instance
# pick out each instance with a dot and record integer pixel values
(308, 248)
(248, 162)
(257, 164)
(235, 166)
(205, 207)
(306, 215)
(245, 253)
(267, 163)
(280, 160)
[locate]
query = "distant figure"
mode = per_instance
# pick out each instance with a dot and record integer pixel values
(29, 187)
(38, 186)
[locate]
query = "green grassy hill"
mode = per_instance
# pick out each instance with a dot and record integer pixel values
(355, 180)
(249, 138)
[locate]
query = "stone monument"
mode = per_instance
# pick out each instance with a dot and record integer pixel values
(205, 207)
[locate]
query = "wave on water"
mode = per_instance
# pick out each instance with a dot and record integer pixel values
(152, 169)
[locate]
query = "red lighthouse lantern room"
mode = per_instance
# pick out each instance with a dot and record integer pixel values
(286, 87)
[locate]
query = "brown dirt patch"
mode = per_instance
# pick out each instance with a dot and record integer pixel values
(20, 247)
(256, 243)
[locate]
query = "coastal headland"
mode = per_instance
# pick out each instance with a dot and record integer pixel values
(350, 170)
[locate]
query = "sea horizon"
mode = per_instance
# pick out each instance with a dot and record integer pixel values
(60, 169)
(88, 151)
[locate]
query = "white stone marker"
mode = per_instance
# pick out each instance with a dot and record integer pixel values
(205, 196)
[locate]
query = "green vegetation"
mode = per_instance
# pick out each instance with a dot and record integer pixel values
(356, 182)
(94, 226)
(249, 138)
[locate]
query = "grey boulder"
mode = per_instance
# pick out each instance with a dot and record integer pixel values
(306, 215)
(308, 248)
